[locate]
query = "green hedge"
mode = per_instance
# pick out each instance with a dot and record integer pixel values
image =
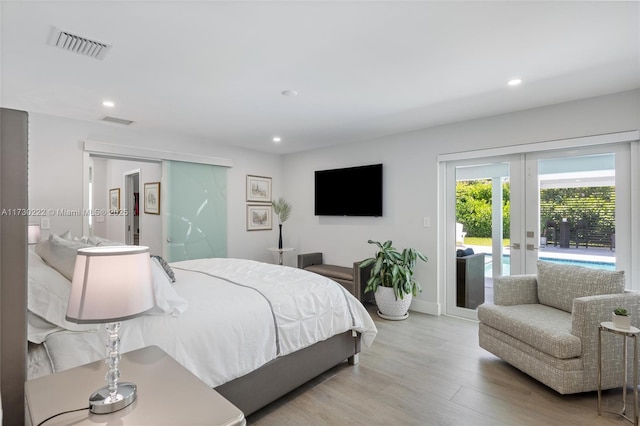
(473, 207)
(595, 205)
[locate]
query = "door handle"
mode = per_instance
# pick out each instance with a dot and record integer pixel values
(169, 239)
(531, 247)
(515, 246)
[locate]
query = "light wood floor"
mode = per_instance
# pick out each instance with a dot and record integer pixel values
(429, 370)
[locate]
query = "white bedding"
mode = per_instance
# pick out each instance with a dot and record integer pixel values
(241, 314)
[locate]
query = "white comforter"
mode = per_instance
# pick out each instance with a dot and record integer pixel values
(241, 315)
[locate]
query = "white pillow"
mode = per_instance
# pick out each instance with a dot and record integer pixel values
(67, 236)
(99, 241)
(60, 254)
(84, 239)
(48, 295)
(167, 300)
(38, 329)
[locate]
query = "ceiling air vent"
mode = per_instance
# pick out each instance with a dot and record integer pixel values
(117, 120)
(78, 44)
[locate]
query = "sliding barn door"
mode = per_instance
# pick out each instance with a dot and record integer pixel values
(194, 208)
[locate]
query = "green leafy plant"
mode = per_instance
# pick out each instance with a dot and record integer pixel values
(282, 208)
(621, 311)
(392, 268)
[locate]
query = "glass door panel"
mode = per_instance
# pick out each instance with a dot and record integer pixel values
(195, 207)
(483, 211)
(572, 209)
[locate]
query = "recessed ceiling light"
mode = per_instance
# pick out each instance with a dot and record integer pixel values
(514, 82)
(290, 92)
(108, 104)
(276, 139)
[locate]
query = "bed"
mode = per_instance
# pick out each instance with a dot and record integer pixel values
(251, 330)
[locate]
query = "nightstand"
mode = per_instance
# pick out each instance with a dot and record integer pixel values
(168, 394)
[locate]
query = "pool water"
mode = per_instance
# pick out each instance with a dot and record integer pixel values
(506, 264)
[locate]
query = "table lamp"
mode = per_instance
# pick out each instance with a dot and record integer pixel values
(33, 233)
(111, 284)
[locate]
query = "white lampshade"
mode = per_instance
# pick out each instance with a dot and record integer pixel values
(110, 283)
(33, 233)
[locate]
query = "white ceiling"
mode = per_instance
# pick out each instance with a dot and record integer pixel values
(216, 70)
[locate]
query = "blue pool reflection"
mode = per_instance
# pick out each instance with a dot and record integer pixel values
(506, 264)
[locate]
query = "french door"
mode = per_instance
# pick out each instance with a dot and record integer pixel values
(484, 200)
(564, 206)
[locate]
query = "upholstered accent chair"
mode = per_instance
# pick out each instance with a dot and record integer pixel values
(546, 325)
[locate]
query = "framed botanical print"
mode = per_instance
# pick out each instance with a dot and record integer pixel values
(258, 189)
(259, 217)
(114, 199)
(152, 198)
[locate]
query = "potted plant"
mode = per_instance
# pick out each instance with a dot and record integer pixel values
(392, 279)
(621, 318)
(282, 208)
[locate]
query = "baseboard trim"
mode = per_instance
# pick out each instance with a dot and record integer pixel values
(425, 307)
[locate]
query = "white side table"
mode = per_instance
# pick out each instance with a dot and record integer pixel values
(279, 252)
(168, 394)
(631, 333)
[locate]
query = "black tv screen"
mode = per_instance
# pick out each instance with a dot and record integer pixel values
(353, 191)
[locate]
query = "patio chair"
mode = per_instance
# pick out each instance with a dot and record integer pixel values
(582, 233)
(550, 231)
(460, 234)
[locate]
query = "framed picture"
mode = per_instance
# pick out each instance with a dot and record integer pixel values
(258, 217)
(258, 189)
(114, 199)
(152, 198)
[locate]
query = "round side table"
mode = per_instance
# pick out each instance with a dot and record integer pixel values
(280, 253)
(630, 333)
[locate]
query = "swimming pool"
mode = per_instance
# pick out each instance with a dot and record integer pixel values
(506, 264)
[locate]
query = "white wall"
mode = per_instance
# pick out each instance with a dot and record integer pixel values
(411, 178)
(110, 173)
(410, 168)
(56, 173)
(100, 166)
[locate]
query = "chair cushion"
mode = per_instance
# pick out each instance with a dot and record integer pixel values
(559, 284)
(543, 327)
(332, 271)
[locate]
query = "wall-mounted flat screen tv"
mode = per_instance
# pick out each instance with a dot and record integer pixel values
(353, 191)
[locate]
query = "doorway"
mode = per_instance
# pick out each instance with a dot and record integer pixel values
(131, 206)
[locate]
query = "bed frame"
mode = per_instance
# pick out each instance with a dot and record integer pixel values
(282, 375)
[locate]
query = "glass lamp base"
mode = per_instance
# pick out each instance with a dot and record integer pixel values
(101, 403)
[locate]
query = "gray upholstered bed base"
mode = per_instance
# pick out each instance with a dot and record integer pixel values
(271, 381)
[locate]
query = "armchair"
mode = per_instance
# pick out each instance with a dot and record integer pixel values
(546, 325)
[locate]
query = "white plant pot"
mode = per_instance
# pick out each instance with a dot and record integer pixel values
(620, 321)
(390, 308)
